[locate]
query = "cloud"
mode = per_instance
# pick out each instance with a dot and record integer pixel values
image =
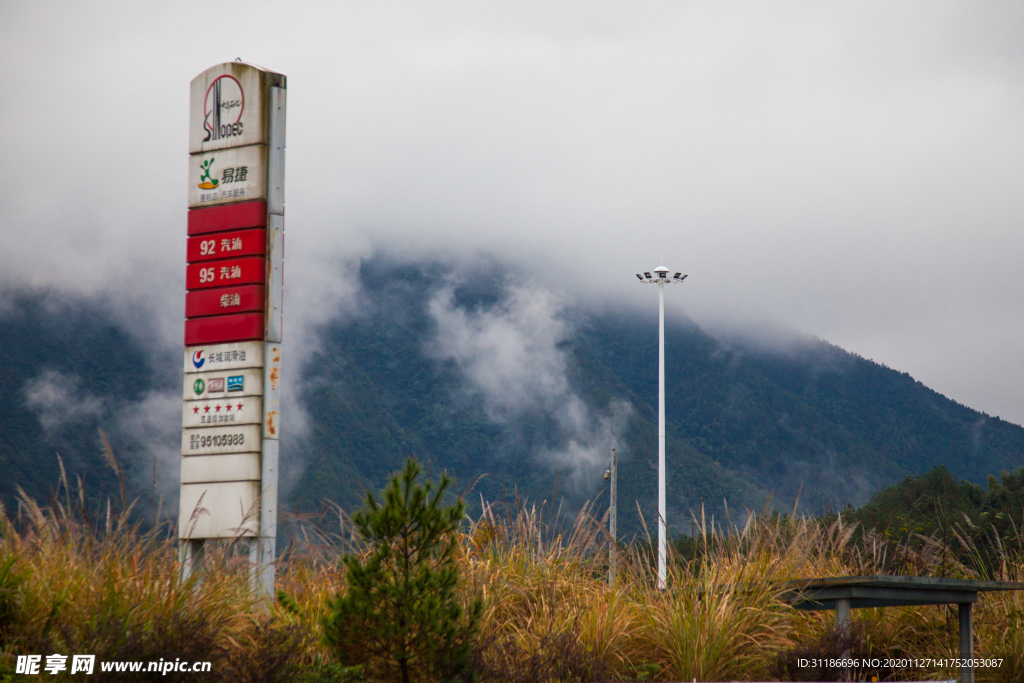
(146, 431)
(153, 426)
(850, 170)
(587, 449)
(58, 399)
(510, 353)
(514, 356)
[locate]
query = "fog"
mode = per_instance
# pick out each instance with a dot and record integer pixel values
(513, 356)
(149, 426)
(846, 170)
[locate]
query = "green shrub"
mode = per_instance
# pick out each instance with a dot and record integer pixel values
(401, 615)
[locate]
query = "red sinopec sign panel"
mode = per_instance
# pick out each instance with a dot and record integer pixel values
(220, 245)
(224, 300)
(241, 271)
(229, 217)
(224, 328)
(243, 299)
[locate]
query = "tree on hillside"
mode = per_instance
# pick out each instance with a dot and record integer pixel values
(400, 615)
(936, 516)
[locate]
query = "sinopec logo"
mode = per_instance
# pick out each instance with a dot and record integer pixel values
(222, 109)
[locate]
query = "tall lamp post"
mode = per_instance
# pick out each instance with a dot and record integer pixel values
(661, 279)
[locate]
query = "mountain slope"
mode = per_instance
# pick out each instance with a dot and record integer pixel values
(69, 369)
(908, 424)
(477, 373)
(743, 424)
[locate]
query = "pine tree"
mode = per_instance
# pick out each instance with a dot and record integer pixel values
(400, 615)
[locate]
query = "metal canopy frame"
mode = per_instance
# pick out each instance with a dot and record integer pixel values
(854, 592)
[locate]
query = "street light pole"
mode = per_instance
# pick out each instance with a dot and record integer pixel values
(662, 531)
(661, 279)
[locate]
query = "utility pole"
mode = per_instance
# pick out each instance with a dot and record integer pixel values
(613, 546)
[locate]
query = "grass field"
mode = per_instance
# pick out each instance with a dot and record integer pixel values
(79, 581)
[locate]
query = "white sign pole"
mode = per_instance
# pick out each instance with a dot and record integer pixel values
(231, 413)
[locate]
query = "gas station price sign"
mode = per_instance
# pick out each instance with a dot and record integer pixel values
(233, 312)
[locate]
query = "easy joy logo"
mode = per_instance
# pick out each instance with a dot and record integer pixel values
(198, 386)
(222, 109)
(209, 182)
(197, 359)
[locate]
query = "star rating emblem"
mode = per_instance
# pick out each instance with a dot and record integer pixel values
(239, 406)
(195, 410)
(218, 408)
(206, 409)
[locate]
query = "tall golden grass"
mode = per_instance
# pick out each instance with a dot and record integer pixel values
(75, 581)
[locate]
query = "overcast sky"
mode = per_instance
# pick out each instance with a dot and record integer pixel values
(848, 170)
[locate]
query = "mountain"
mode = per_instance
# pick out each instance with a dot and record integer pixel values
(909, 425)
(494, 380)
(744, 423)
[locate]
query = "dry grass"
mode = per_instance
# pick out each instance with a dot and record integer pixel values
(80, 581)
(96, 584)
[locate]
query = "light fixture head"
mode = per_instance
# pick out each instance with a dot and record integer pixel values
(660, 276)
